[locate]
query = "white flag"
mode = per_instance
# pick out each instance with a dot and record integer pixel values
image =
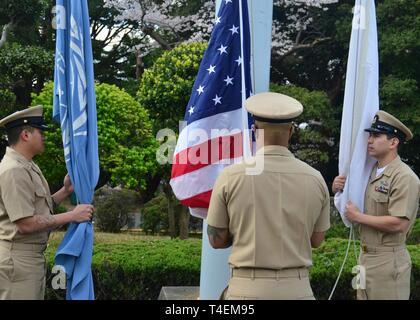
(361, 102)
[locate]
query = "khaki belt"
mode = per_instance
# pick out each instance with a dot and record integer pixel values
(270, 273)
(372, 249)
(23, 246)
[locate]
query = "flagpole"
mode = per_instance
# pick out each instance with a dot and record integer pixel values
(215, 271)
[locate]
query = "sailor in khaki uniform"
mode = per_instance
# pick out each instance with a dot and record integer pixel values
(26, 208)
(391, 204)
(271, 219)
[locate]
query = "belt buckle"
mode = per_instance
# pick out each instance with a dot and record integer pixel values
(364, 248)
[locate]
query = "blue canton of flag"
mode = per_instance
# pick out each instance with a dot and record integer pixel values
(217, 87)
(223, 83)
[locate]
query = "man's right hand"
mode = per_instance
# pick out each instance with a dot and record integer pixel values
(82, 213)
(338, 184)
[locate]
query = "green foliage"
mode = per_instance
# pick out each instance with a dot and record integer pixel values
(155, 214)
(113, 208)
(7, 102)
(23, 69)
(338, 230)
(126, 145)
(166, 87)
(399, 37)
(414, 237)
(313, 144)
(22, 11)
(138, 270)
(24, 62)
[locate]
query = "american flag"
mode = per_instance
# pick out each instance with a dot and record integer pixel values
(215, 117)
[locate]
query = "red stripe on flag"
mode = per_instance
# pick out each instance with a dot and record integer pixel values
(200, 200)
(208, 152)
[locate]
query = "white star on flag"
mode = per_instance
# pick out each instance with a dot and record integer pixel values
(217, 100)
(227, 1)
(191, 110)
(239, 60)
(234, 30)
(211, 69)
(222, 49)
(228, 80)
(200, 90)
(217, 20)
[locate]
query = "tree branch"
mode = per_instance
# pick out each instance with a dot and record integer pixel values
(6, 29)
(150, 32)
(303, 46)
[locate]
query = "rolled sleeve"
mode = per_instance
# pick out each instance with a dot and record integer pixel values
(218, 214)
(17, 194)
(404, 197)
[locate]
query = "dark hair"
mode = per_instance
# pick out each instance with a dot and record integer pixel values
(14, 133)
(389, 136)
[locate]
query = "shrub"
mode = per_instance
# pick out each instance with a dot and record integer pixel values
(414, 237)
(125, 142)
(155, 214)
(138, 270)
(113, 207)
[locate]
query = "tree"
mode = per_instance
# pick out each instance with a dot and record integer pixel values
(126, 145)
(166, 87)
(164, 91)
(316, 137)
(24, 69)
(170, 22)
(15, 14)
(399, 47)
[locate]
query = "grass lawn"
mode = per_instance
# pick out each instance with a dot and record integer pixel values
(103, 237)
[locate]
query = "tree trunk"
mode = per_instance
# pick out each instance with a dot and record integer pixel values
(171, 217)
(171, 209)
(5, 33)
(139, 65)
(184, 221)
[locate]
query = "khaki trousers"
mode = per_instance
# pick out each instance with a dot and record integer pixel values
(387, 274)
(22, 271)
(266, 284)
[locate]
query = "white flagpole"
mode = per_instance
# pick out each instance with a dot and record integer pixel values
(215, 271)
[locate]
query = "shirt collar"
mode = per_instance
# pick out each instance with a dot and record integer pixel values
(12, 153)
(390, 168)
(274, 150)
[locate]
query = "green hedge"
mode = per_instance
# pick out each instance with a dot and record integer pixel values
(138, 270)
(339, 230)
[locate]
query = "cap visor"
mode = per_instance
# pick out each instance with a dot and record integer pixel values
(375, 130)
(42, 127)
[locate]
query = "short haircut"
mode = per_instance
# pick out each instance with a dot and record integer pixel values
(14, 133)
(389, 136)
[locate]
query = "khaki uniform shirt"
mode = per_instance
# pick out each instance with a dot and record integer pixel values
(394, 192)
(271, 216)
(24, 192)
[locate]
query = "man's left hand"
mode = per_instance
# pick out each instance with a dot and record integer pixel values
(68, 186)
(352, 212)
